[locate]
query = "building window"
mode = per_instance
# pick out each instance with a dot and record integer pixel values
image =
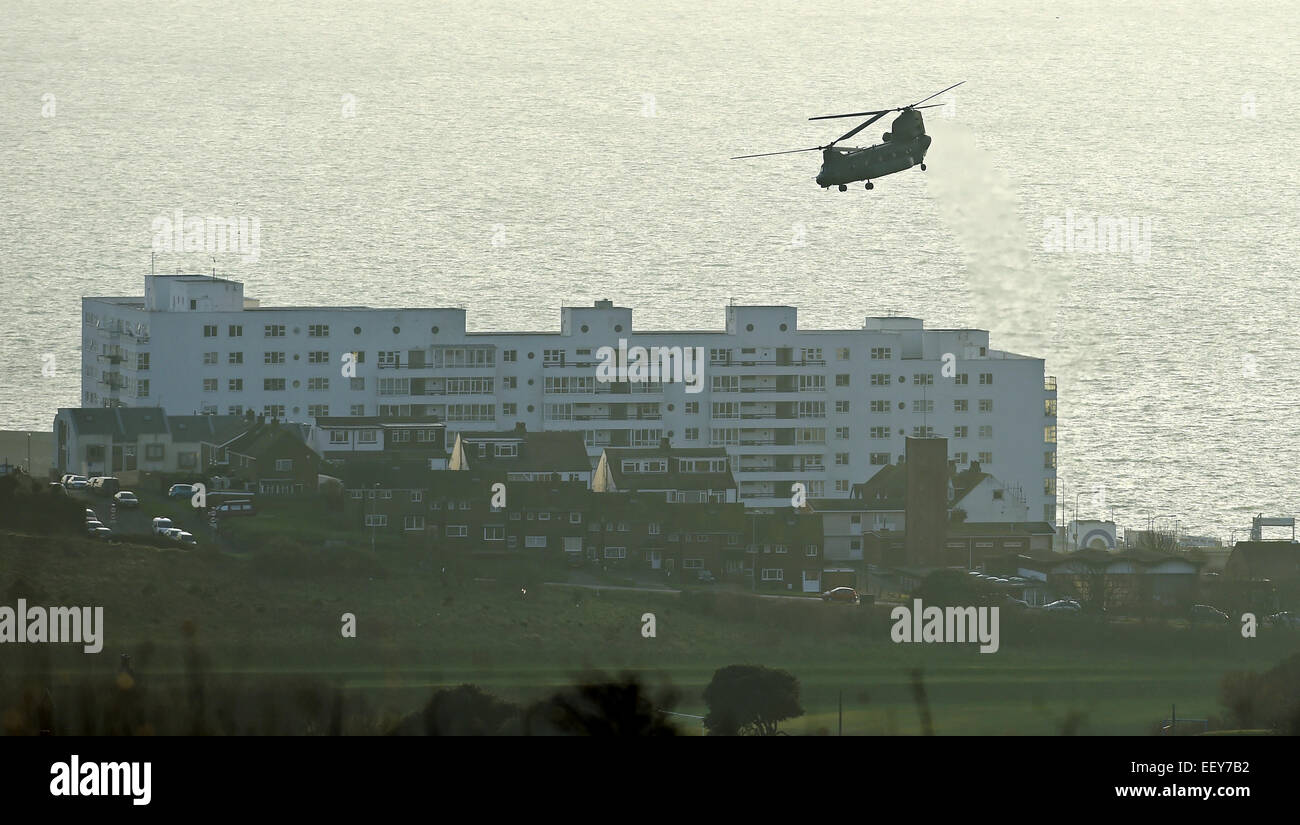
(273, 358)
(209, 330)
(881, 353)
(235, 385)
(273, 411)
(879, 406)
(986, 378)
(273, 384)
(842, 380)
(209, 385)
(919, 378)
(273, 331)
(841, 485)
(1049, 434)
(209, 359)
(986, 458)
(842, 433)
(283, 464)
(1049, 460)
(960, 431)
(368, 437)
(318, 357)
(773, 574)
(414, 522)
(376, 520)
(879, 459)
(842, 354)
(318, 331)
(962, 378)
(457, 531)
(1049, 407)
(615, 552)
(153, 452)
(235, 358)
(986, 405)
(535, 541)
(318, 410)
(235, 331)
(494, 532)
(986, 431)
(841, 407)
(960, 405)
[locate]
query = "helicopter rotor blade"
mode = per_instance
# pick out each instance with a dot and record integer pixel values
(858, 128)
(854, 114)
(936, 94)
(786, 152)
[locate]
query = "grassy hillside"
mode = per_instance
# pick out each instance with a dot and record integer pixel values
(195, 618)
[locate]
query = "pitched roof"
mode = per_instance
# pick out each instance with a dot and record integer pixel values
(1275, 560)
(122, 423)
(214, 429)
(260, 436)
(559, 451)
(673, 478)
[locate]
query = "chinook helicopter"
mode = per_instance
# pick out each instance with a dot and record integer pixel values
(903, 147)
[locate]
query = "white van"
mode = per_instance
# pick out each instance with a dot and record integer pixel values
(160, 525)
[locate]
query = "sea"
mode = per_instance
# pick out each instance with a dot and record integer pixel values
(514, 157)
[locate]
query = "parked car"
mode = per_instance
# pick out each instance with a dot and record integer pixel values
(180, 491)
(1286, 620)
(161, 524)
(1069, 605)
(91, 513)
(100, 532)
(57, 489)
(1205, 614)
(186, 538)
(126, 498)
(239, 507)
(75, 482)
(93, 523)
(105, 485)
(840, 594)
(706, 577)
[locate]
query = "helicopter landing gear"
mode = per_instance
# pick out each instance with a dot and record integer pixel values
(870, 185)
(922, 167)
(843, 188)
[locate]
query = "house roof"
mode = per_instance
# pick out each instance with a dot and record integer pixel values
(260, 436)
(1275, 560)
(214, 429)
(122, 423)
(560, 451)
(886, 490)
(674, 478)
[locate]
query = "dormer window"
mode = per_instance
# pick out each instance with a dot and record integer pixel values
(507, 450)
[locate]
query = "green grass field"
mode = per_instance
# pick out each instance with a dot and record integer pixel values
(263, 617)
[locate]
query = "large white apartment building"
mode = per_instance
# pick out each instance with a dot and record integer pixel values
(823, 407)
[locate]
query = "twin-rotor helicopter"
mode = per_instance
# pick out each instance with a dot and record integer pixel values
(902, 147)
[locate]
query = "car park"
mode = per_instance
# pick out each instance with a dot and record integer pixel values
(125, 499)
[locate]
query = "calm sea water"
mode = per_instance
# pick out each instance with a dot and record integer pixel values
(514, 157)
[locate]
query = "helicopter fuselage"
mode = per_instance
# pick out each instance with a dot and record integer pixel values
(846, 164)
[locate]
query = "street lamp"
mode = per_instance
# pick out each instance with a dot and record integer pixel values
(29, 454)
